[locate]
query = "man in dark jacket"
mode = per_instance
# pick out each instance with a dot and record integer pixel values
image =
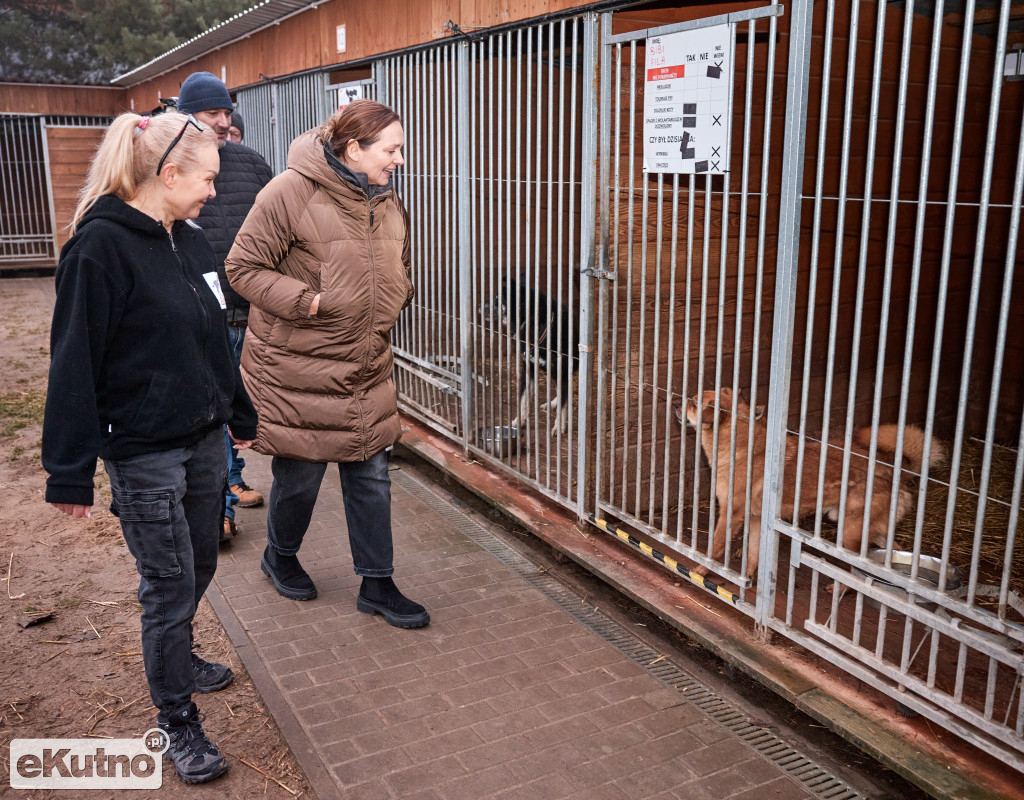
(243, 172)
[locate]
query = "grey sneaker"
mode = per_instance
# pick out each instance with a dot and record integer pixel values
(195, 758)
(210, 676)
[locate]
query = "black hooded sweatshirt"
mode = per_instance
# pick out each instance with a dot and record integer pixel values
(139, 354)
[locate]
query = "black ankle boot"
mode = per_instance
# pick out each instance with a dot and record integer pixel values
(289, 578)
(381, 596)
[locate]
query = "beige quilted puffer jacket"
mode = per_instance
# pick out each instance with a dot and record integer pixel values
(322, 385)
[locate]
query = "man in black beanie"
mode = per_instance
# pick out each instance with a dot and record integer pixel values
(237, 130)
(243, 172)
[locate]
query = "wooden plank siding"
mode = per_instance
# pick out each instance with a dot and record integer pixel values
(26, 98)
(70, 151)
(307, 40)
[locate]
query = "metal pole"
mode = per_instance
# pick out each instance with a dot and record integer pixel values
(587, 284)
(464, 201)
(785, 302)
(48, 185)
(588, 198)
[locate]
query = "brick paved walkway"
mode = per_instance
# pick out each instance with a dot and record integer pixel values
(505, 694)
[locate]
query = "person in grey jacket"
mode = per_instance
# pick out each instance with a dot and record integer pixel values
(243, 173)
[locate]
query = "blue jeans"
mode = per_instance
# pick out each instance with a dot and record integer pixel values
(170, 505)
(366, 490)
(236, 336)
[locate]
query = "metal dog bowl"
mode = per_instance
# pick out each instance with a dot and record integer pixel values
(928, 573)
(499, 440)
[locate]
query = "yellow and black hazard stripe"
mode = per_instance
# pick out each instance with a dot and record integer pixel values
(661, 558)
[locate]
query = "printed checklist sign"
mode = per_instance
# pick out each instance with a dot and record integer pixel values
(687, 101)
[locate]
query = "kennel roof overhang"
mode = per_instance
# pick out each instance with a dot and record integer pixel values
(242, 24)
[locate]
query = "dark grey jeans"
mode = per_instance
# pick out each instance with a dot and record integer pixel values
(170, 505)
(366, 490)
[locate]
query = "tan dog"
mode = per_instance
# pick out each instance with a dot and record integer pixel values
(701, 415)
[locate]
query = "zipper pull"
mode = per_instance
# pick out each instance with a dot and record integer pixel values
(371, 217)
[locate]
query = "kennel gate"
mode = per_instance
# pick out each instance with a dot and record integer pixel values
(499, 131)
(824, 269)
(276, 111)
(26, 213)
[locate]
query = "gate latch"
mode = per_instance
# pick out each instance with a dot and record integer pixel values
(600, 274)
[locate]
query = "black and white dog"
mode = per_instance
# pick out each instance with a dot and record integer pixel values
(548, 340)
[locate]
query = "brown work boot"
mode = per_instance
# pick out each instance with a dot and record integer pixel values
(247, 496)
(230, 530)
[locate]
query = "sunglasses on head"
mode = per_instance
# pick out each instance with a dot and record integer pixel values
(189, 120)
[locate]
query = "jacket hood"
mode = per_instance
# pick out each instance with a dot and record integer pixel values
(112, 208)
(308, 156)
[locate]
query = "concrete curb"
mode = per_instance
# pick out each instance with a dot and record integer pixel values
(320, 780)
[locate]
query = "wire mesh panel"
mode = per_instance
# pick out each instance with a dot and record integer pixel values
(26, 215)
(894, 472)
(489, 351)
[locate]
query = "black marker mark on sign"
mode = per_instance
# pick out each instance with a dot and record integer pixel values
(685, 151)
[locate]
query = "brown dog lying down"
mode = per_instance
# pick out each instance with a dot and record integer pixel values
(702, 415)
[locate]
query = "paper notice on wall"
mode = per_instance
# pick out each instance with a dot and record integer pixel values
(348, 93)
(687, 101)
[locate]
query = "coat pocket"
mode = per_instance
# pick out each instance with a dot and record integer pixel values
(148, 531)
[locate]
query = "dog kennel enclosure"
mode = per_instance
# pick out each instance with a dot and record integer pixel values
(850, 263)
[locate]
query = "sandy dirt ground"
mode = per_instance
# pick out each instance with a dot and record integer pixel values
(71, 665)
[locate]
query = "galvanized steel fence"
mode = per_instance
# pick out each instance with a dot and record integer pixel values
(898, 246)
(499, 187)
(831, 318)
(26, 210)
(28, 218)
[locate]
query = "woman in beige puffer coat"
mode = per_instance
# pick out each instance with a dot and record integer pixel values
(324, 259)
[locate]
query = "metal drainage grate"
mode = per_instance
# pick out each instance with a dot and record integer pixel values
(808, 773)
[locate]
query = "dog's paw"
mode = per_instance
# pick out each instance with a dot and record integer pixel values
(560, 428)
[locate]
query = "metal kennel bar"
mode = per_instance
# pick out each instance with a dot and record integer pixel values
(26, 205)
(923, 606)
(682, 298)
(276, 111)
(424, 88)
(881, 337)
(256, 105)
(499, 133)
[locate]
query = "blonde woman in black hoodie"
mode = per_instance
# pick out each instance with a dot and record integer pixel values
(142, 377)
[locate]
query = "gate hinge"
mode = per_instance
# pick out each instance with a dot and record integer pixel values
(600, 274)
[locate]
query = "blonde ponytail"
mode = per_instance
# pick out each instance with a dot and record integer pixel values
(127, 157)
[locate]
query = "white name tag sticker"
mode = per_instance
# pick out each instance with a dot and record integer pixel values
(214, 281)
